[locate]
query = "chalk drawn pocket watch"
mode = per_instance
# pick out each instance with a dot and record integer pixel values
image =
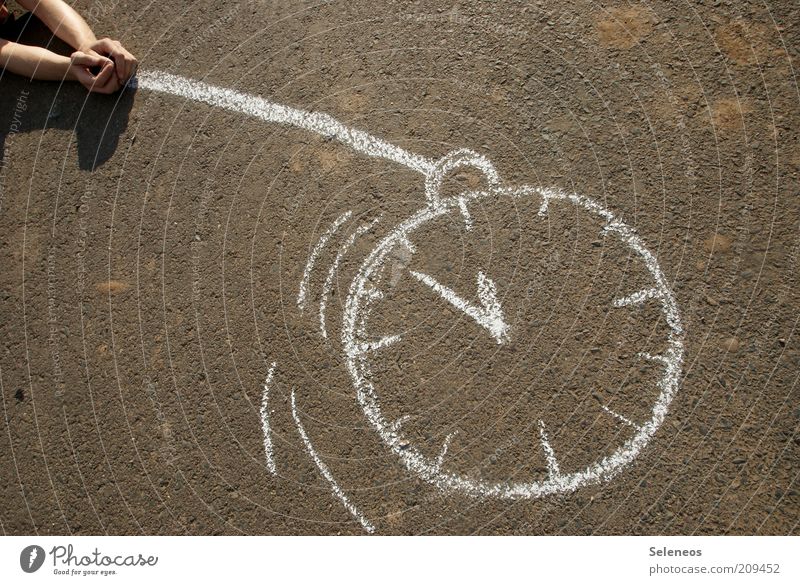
(368, 303)
(364, 343)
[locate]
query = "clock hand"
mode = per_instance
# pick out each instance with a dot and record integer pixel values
(489, 315)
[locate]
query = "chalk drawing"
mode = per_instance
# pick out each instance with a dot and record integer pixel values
(328, 285)
(315, 252)
(636, 298)
(359, 306)
(664, 359)
(443, 450)
(489, 315)
(256, 107)
(265, 412)
(326, 473)
(552, 463)
(364, 296)
(619, 417)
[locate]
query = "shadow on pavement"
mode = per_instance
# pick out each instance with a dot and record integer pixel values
(26, 106)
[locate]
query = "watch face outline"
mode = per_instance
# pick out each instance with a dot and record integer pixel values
(364, 292)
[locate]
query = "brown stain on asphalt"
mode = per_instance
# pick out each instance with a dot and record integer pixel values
(717, 243)
(747, 43)
(728, 114)
(113, 287)
(623, 28)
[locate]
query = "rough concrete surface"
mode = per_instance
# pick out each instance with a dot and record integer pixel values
(152, 250)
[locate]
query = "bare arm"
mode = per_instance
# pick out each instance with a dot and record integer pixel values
(71, 28)
(39, 63)
(65, 23)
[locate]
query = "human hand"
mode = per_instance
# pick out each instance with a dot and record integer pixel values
(125, 64)
(94, 72)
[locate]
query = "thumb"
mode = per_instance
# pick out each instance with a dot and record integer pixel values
(88, 60)
(84, 77)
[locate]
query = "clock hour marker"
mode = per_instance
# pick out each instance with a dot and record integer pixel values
(615, 226)
(636, 298)
(543, 207)
(619, 417)
(550, 455)
(655, 358)
(462, 204)
(399, 422)
(371, 346)
(373, 294)
(406, 243)
(443, 452)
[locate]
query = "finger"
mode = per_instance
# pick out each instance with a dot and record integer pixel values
(112, 84)
(105, 74)
(104, 46)
(95, 65)
(87, 60)
(105, 82)
(129, 67)
(85, 78)
(125, 62)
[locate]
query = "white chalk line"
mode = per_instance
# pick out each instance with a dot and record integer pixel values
(400, 422)
(636, 298)
(256, 107)
(615, 226)
(357, 309)
(372, 346)
(445, 447)
(549, 454)
(315, 252)
(654, 358)
(326, 473)
(265, 412)
(543, 208)
(619, 417)
(462, 204)
(328, 285)
(489, 315)
(461, 157)
(408, 245)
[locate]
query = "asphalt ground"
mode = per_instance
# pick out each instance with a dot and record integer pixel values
(153, 250)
